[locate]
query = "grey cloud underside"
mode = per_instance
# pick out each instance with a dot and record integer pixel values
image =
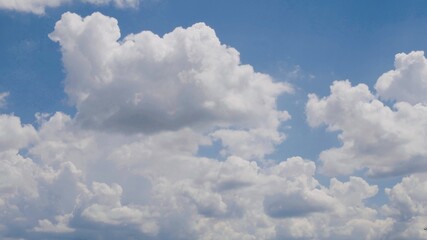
(291, 205)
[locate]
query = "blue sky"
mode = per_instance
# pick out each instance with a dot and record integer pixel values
(118, 113)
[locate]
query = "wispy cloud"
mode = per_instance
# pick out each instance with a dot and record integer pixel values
(3, 97)
(39, 6)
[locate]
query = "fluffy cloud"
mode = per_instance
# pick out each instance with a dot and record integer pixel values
(89, 184)
(133, 187)
(251, 144)
(185, 79)
(385, 140)
(146, 83)
(39, 6)
(408, 81)
(14, 135)
(128, 165)
(406, 197)
(104, 185)
(408, 206)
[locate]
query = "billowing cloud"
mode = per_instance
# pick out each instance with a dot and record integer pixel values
(385, 140)
(146, 83)
(186, 79)
(408, 81)
(91, 184)
(407, 205)
(129, 164)
(39, 6)
(381, 139)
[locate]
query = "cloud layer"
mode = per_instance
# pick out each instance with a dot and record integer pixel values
(129, 164)
(81, 184)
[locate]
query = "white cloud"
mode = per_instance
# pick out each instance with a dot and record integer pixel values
(39, 6)
(106, 208)
(86, 177)
(386, 141)
(117, 3)
(32, 195)
(32, 6)
(18, 177)
(383, 140)
(354, 191)
(408, 206)
(155, 186)
(408, 81)
(407, 197)
(14, 135)
(185, 79)
(252, 144)
(146, 83)
(60, 227)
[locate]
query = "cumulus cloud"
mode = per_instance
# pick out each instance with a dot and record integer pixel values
(134, 187)
(14, 135)
(128, 164)
(65, 199)
(185, 79)
(147, 83)
(89, 184)
(39, 6)
(408, 206)
(385, 140)
(408, 81)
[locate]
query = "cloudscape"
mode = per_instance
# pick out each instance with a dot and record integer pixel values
(160, 119)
